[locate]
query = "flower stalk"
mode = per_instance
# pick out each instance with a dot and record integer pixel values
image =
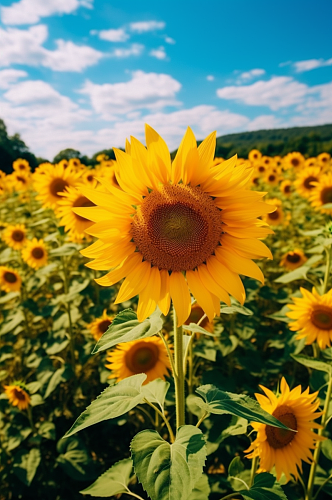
(179, 373)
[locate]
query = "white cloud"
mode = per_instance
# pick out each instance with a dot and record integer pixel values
(310, 64)
(253, 73)
(170, 40)
(26, 47)
(265, 122)
(158, 53)
(145, 26)
(10, 76)
(143, 91)
(135, 49)
(31, 11)
(210, 78)
(118, 35)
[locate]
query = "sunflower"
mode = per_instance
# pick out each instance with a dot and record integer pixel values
(311, 162)
(196, 315)
(313, 317)
(286, 187)
(99, 326)
(75, 224)
(52, 182)
(20, 181)
(294, 160)
(162, 231)
(321, 194)
(324, 159)
(272, 178)
(35, 253)
(88, 177)
(15, 236)
(18, 395)
(74, 163)
(293, 259)
(10, 280)
(139, 356)
(254, 155)
(305, 179)
(21, 166)
(275, 217)
(284, 449)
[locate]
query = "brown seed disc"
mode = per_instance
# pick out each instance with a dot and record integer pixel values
(57, 186)
(37, 253)
(272, 178)
(18, 394)
(322, 318)
(279, 438)
(307, 183)
(142, 357)
(103, 325)
(287, 189)
(10, 277)
(274, 215)
(326, 195)
(18, 235)
(177, 228)
(21, 179)
(82, 201)
(295, 162)
(293, 257)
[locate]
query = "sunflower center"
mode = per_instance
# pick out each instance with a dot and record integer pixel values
(37, 253)
(326, 195)
(21, 179)
(261, 169)
(293, 257)
(103, 325)
(142, 357)
(10, 277)
(19, 394)
(274, 215)
(307, 183)
(18, 235)
(177, 228)
(57, 186)
(89, 178)
(322, 318)
(21, 167)
(82, 201)
(287, 189)
(295, 162)
(272, 178)
(279, 438)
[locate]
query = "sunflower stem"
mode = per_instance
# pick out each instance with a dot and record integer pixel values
(179, 373)
(311, 480)
(327, 270)
(163, 416)
(171, 360)
(32, 425)
(71, 333)
(254, 464)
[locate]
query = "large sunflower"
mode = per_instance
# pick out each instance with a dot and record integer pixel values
(313, 315)
(74, 223)
(305, 179)
(18, 395)
(35, 253)
(10, 280)
(15, 236)
(293, 259)
(100, 325)
(321, 194)
(53, 181)
(139, 356)
(279, 448)
(175, 227)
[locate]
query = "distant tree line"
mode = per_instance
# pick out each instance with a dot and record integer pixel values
(310, 141)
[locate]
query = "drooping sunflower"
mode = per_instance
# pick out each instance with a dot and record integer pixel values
(321, 194)
(21, 166)
(254, 155)
(293, 259)
(35, 253)
(196, 315)
(275, 217)
(71, 198)
(294, 160)
(313, 317)
(15, 236)
(305, 179)
(284, 449)
(18, 395)
(10, 280)
(175, 227)
(286, 187)
(52, 182)
(139, 356)
(99, 326)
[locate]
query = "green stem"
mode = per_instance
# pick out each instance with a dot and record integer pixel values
(311, 480)
(203, 417)
(128, 492)
(168, 352)
(163, 416)
(32, 425)
(322, 485)
(71, 333)
(179, 373)
(327, 270)
(254, 464)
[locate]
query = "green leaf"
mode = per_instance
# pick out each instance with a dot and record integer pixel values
(156, 391)
(9, 296)
(297, 274)
(113, 482)
(111, 403)
(192, 327)
(47, 430)
(327, 449)
(265, 487)
(26, 465)
(13, 323)
(327, 205)
(235, 467)
(75, 460)
(220, 402)
(169, 471)
(201, 490)
(125, 328)
(313, 363)
(36, 400)
(55, 380)
(236, 309)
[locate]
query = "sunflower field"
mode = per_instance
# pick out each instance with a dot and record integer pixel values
(166, 326)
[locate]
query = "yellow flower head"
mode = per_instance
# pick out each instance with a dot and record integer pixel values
(324, 159)
(294, 160)
(139, 356)
(313, 317)
(53, 181)
(196, 316)
(286, 188)
(254, 155)
(20, 181)
(177, 227)
(15, 236)
(10, 280)
(272, 178)
(276, 216)
(283, 449)
(18, 395)
(74, 163)
(293, 259)
(35, 253)
(21, 166)
(100, 325)
(305, 180)
(321, 194)
(75, 224)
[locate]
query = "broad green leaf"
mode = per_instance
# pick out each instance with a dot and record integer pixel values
(235, 467)
(26, 464)
(156, 391)
(169, 471)
(327, 205)
(265, 487)
(47, 430)
(111, 403)
(327, 448)
(236, 309)
(57, 347)
(297, 274)
(129, 329)
(220, 402)
(9, 296)
(201, 490)
(36, 400)
(13, 323)
(192, 327)
(55, 380)
(66, 249)
(313, 363)
(237, 427)
(113, 482)
(75, 460)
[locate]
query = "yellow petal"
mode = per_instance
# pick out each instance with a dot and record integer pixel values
(210, 283)
(165, 298)
(201, 294)
(149, 296)
(226, 278)
(128, 265)
(188, 142)
(180, 296)
(239, 264)
(134, 282)
(249, 248)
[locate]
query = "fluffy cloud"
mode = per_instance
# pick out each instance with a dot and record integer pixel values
(10, 76)
(310, 64)
(253, 73)
(145, 26)
(118, 35)
(135, 49)
(158, 53)
(31, 11)
(26, 47)
(143, 91)
(170, 40)
(210, 78)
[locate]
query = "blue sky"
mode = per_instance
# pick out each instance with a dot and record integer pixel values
(89, 73)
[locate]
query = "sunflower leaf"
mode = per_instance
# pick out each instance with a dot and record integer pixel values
(313, 363)
(297, 274)
(113, 482)
(111, 403)
(265, 487)
(156, 391)
(220, 402)
(126, 327)
(202, 489)
(192, 327)
(169, 470)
